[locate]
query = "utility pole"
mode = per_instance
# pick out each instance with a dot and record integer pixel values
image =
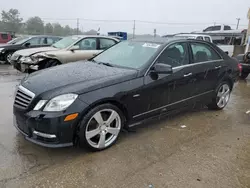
(238, 22)
(214, 23)
(154, 33)
(134, 30)
(77, 26)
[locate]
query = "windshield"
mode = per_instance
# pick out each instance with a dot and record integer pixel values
(15, 40)
(66, 42)
(128, 54)
(22, 40)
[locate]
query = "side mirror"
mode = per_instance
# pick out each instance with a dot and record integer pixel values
(73, 48)
(27, 44)
(226, 52)
(161, 68)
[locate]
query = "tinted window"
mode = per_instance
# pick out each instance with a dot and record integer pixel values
(34, 41)
(175, 55)
(128, 54)
(51, 40)
(209, 29)
(87, 44)
(106, 43)
(203, 52)
(207, 39)
(199, 38)
(4, 36)
(226, 27)
(217, 28)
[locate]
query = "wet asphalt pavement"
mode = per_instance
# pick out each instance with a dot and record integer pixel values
(196, 148)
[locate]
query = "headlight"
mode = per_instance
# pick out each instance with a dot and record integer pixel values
(40, 104)
(26, 60)
(1, 49)
(60, 102)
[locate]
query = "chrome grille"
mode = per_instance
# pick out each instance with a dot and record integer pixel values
(23, 97)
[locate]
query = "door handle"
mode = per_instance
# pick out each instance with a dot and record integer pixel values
(218, 67)
(186, 75)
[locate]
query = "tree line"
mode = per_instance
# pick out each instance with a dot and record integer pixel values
(11, 21)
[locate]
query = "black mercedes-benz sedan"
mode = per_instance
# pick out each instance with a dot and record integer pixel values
(130, 82)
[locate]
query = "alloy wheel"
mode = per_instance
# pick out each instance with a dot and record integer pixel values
(223, 95)
(103, 128)
(8, 58)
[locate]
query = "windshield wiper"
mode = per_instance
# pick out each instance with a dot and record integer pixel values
(107, 64)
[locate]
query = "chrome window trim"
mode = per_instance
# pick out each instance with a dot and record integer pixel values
(172, 104)
(187, 65)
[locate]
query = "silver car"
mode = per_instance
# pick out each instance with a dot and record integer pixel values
(69, 49)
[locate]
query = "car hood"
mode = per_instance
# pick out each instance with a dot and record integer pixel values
(32, 51)
(9, 46)
(79, 77)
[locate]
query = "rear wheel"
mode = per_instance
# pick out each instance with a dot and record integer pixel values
(244, 75)
(221, 98)
(100, 127)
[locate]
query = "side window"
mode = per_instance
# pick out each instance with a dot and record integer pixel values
(209, 29)
(87, 44)
(199, 38)
(34, 41)
(51, 41)
(203, 52)
(43, 41)
(226, 27)
(175, 55)
(106, 43)
(207, 39)
(217, 28)
(4, 36)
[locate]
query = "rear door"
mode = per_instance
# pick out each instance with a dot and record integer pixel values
(206, 65)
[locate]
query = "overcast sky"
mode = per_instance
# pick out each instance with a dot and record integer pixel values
(196, 14)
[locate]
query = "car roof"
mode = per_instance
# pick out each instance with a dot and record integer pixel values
(96, 36)
(158, 40)
(43, 36)
(192, 35)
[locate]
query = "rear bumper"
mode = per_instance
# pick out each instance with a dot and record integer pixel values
(245, 67)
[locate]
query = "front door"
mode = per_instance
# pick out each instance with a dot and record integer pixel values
(169, 91)
(87, 49)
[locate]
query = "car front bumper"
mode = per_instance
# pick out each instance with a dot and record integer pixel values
(47, 129)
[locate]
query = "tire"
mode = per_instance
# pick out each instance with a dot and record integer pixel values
(243, 75)
(7, 57)
(91, 133)
(51, 63)
(221, 97)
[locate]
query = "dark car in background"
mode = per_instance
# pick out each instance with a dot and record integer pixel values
(7, 50)
(244, 60)
(124, 85)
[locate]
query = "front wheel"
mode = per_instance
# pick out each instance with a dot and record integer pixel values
(221, 98)
(51, 63)
(8, 57)
(100, 127)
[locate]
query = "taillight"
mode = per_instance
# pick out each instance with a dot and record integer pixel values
(240, 67)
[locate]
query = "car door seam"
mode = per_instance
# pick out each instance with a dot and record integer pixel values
(172, 103)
